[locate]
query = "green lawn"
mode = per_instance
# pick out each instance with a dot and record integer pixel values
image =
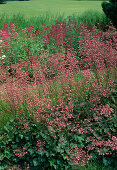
(39, 7)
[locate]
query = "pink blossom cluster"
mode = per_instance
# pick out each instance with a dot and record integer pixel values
(49, 94)
(80, 157)
(19, 153)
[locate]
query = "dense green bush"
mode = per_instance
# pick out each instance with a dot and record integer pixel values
(110, 9)
(2, 1)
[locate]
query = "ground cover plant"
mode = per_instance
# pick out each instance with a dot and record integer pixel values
(57, 96)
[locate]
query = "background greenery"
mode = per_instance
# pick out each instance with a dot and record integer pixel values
(40, 7)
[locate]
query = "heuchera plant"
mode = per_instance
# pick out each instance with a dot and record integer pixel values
(63, 101)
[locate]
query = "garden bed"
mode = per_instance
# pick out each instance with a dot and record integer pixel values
(58, 96)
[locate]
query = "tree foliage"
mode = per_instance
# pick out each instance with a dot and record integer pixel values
(2, 1)
(110, 9)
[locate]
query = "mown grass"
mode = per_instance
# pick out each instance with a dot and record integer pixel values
(39, 7)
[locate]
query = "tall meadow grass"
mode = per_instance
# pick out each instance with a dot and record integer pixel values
(92, 18)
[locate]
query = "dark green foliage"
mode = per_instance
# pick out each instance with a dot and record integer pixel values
(113, 1)
(110, 9)
(2, 1)
(110, 161)
(14, 137)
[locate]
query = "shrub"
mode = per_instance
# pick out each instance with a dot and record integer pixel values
(2, 1)
(110, 9)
